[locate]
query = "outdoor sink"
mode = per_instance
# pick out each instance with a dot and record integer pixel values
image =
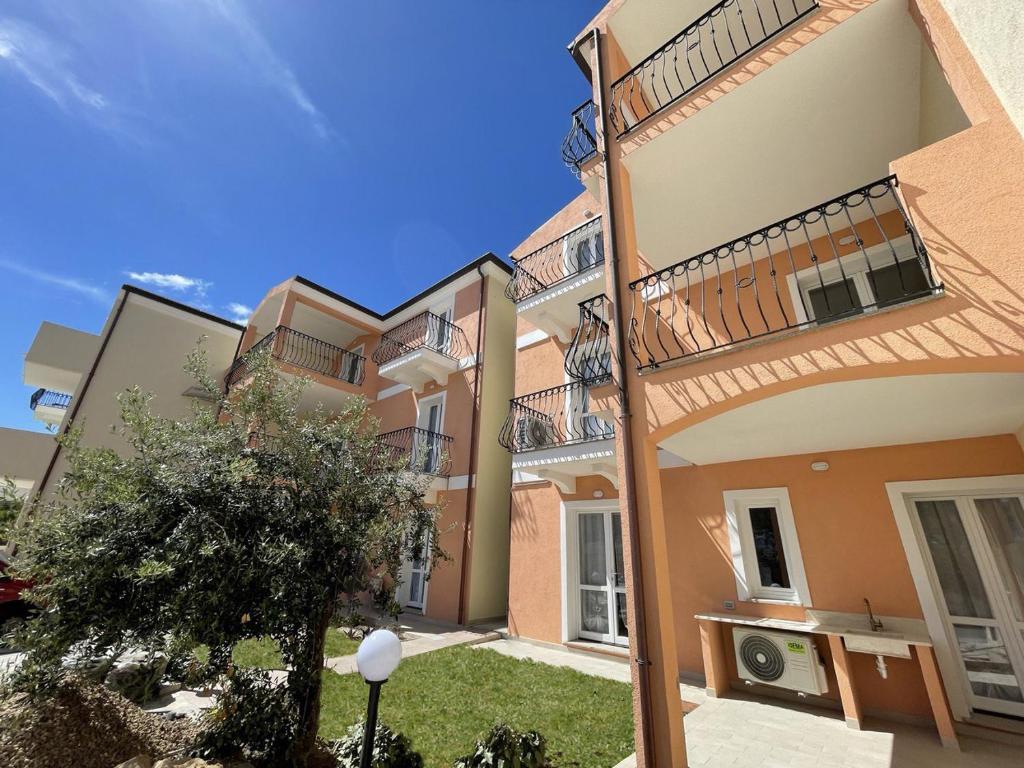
(876, 643)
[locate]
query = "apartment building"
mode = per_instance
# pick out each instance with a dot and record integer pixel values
(419, 365)
(768, 433)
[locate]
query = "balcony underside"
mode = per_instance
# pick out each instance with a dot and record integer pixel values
(869, 413)
(564, 463)
(50, 415)
(418, 367)
(332, 393)
(556, 310)
(829, 116)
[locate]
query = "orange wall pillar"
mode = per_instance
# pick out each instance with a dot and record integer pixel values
(712, 645)
(844, 678)
(937, 696)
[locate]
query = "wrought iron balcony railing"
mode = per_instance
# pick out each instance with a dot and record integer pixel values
(723, 35)
(856, 253)
(47, 398)
(580, 144)
(425, 331)
(553, 417)
(589, 354)
(572, 254)
(293, 347)
(424, 451)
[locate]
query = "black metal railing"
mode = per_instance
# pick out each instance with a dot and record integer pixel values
(589, 354)
(293, 347)
(553, 417)
(580, 144)
(422, 450)
(710, 45)
(47, 398)
(425, 331)
(856, 253)
(572, 254)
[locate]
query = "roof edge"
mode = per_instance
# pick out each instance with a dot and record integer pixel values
(129, 288)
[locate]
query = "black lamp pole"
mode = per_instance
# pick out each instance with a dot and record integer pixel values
(371, 723)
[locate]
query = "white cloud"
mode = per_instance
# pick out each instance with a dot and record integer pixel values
(73, 284)
(45, 64)
(239, 313)
(272, 67)
(172, 281)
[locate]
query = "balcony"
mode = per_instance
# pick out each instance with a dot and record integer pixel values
(49, 407)
(548, 284)
(426, 348)
(850, 256)
(589, 354)
(553, 436)
(303, 353)
(579, 146)
(58, 357)
(723, 35)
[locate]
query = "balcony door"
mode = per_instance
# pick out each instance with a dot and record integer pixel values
(601, 580)
(974, 549)
(412, 590)
(427, 445)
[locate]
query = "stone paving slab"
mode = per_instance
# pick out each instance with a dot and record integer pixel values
(742, 731)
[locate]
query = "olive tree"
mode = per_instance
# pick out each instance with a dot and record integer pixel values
(247, 518)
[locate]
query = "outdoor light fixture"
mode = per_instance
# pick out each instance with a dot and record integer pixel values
(377, 657)
(819, 466)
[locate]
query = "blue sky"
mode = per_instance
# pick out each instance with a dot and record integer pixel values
(208, 149)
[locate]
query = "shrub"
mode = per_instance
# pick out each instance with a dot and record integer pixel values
(505, 747)
(390, 749)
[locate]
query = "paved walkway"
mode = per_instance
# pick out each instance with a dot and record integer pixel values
(743, 731)
(421, 635)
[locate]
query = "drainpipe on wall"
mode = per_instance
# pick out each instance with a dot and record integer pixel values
(636, 592)
(473, 440)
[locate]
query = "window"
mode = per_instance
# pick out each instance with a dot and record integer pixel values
(583, 251)
(765, 549)
(828, 295)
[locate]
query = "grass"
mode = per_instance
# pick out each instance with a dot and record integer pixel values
(264, 653)
(446, 699)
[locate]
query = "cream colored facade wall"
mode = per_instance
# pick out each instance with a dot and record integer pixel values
(488, 590)
(992, 31)
(147, 348)
(23, 455)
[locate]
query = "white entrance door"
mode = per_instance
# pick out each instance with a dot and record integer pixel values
(602, 581)
(975, 552)
(412, 592)
(427, 447)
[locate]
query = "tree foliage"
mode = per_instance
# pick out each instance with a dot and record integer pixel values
(248, 518)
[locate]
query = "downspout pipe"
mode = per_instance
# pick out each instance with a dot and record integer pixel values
(636, 591)
(474, 439)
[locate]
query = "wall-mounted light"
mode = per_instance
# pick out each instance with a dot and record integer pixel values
(847, 239)
(598, 494)
(819, 466)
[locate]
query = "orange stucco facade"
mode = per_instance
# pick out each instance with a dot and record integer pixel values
(959, 186)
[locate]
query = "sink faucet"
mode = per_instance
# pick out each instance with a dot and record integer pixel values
(875, 624)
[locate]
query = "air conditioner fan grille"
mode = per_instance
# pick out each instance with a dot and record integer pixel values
(762, 658)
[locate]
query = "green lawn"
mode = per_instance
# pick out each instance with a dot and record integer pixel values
(444, 700)
(264, 653)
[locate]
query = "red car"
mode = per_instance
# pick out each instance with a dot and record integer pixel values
(11, 603)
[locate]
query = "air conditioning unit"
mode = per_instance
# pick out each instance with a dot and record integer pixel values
(782, 659)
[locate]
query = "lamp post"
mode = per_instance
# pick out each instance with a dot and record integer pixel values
(376, 658)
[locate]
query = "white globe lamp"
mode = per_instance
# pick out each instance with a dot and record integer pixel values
(376, 658)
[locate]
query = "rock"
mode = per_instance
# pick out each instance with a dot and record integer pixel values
(136, 676)
(139, 761)
(184, 762)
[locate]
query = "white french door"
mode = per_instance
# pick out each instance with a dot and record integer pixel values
(601, 579)
(412, 592)
(427, 448)
(974, 547)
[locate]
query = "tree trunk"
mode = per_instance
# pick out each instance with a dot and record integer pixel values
(308, 684)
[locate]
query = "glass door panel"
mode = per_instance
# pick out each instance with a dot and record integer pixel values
(621, 629)
(593, 577)
(959, 536)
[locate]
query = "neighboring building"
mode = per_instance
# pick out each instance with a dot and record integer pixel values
(421, 366)
(812, 253)
(438, 370)
(24, 453)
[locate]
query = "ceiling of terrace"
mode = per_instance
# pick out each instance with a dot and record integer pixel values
(823, 121)
(896, 410)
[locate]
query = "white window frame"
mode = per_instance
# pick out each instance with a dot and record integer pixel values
(855, 266)
(570, 560)
(744, 557)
